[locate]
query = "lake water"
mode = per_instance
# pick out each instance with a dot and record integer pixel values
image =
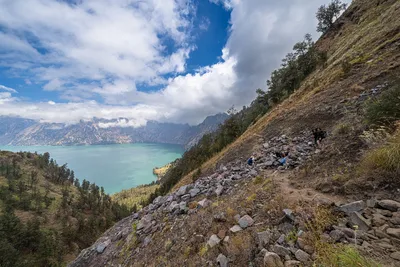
(115, 167)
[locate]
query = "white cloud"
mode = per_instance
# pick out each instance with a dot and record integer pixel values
(5, 88)
(107, 47)
(97, 40)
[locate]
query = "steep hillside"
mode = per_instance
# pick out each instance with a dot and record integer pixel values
(334, 204)
(18, 131)
(46, 215)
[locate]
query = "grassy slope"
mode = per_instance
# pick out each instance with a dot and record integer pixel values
(134, 196)
(367, 36)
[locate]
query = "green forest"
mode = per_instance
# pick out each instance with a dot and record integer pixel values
(47, 215)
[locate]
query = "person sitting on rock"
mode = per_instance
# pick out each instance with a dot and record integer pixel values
(250, 161)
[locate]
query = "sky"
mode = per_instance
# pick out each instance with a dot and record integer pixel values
(171, 61)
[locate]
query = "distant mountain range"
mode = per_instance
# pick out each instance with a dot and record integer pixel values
(20, 131)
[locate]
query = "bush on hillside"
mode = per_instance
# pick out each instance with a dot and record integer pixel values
(386, 109)
(383, 163)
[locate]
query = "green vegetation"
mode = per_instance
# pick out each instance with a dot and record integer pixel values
(386, 109)
(384, 161)
(327, 15)
(135, 198)
(46, 214)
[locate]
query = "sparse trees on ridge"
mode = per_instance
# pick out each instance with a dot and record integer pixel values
(327, 15)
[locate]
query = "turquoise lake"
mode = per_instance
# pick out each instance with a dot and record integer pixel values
(115, 167)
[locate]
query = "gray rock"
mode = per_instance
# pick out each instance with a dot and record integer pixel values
(226, 239)
(173, 206)
(302, 255)
(158, 200)
(371, 203)
(264, 238)
(185, 197)
(281, 239)
(182, 191)
(204, 203)
(235, 169)
(395, 232)
(182, 206)
(237, 217)
(292, 263)
(235, 228)
(281, 251)
(145, 222)
(378, 219)
(194, 192)
(266, 145)
(213, 241)
(269, 163)
(336, 235)
(395, 255)
(289, 214)
(147, 241)
(135, 216)
(389, 205)
(352, 207)
(246, 221)
(253, 173)
(222, 260)
(102, 246)
(357, 219)
(272, 260)
(219, 190)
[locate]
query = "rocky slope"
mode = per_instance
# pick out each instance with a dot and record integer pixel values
(18, 131)
(165, 232)
(320, 208)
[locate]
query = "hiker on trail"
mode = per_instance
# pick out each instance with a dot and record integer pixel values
(250, 161)
(283, 160)
(318, 136)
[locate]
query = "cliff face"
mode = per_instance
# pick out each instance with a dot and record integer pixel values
(316, 209)
(17, 131)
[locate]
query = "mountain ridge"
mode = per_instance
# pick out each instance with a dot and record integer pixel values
(20, 131)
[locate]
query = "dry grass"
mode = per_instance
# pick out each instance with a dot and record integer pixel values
(383, 161)
(134, 196)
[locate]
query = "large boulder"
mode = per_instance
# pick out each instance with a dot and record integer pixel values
(235, 228)
(246, 221)
(353, 206)
(357, 219)
(213, 241)
(302, 255)
(222, 260)
(219, 190)
(395, 232)
(182, 190)
(264, 238)
(389, 205)
(272, 260)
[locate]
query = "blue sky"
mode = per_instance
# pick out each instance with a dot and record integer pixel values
(170, 60)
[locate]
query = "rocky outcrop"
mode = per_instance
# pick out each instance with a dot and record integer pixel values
(368, 224)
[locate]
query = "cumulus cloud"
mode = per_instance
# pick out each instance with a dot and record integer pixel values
(107, 48)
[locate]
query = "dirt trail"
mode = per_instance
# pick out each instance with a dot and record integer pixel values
(301, 196)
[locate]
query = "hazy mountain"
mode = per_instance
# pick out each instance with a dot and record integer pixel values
(19, 131)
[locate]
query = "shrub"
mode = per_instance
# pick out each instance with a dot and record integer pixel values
(346, 68)
(386, 109)
(384, 160)
(342, 129)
